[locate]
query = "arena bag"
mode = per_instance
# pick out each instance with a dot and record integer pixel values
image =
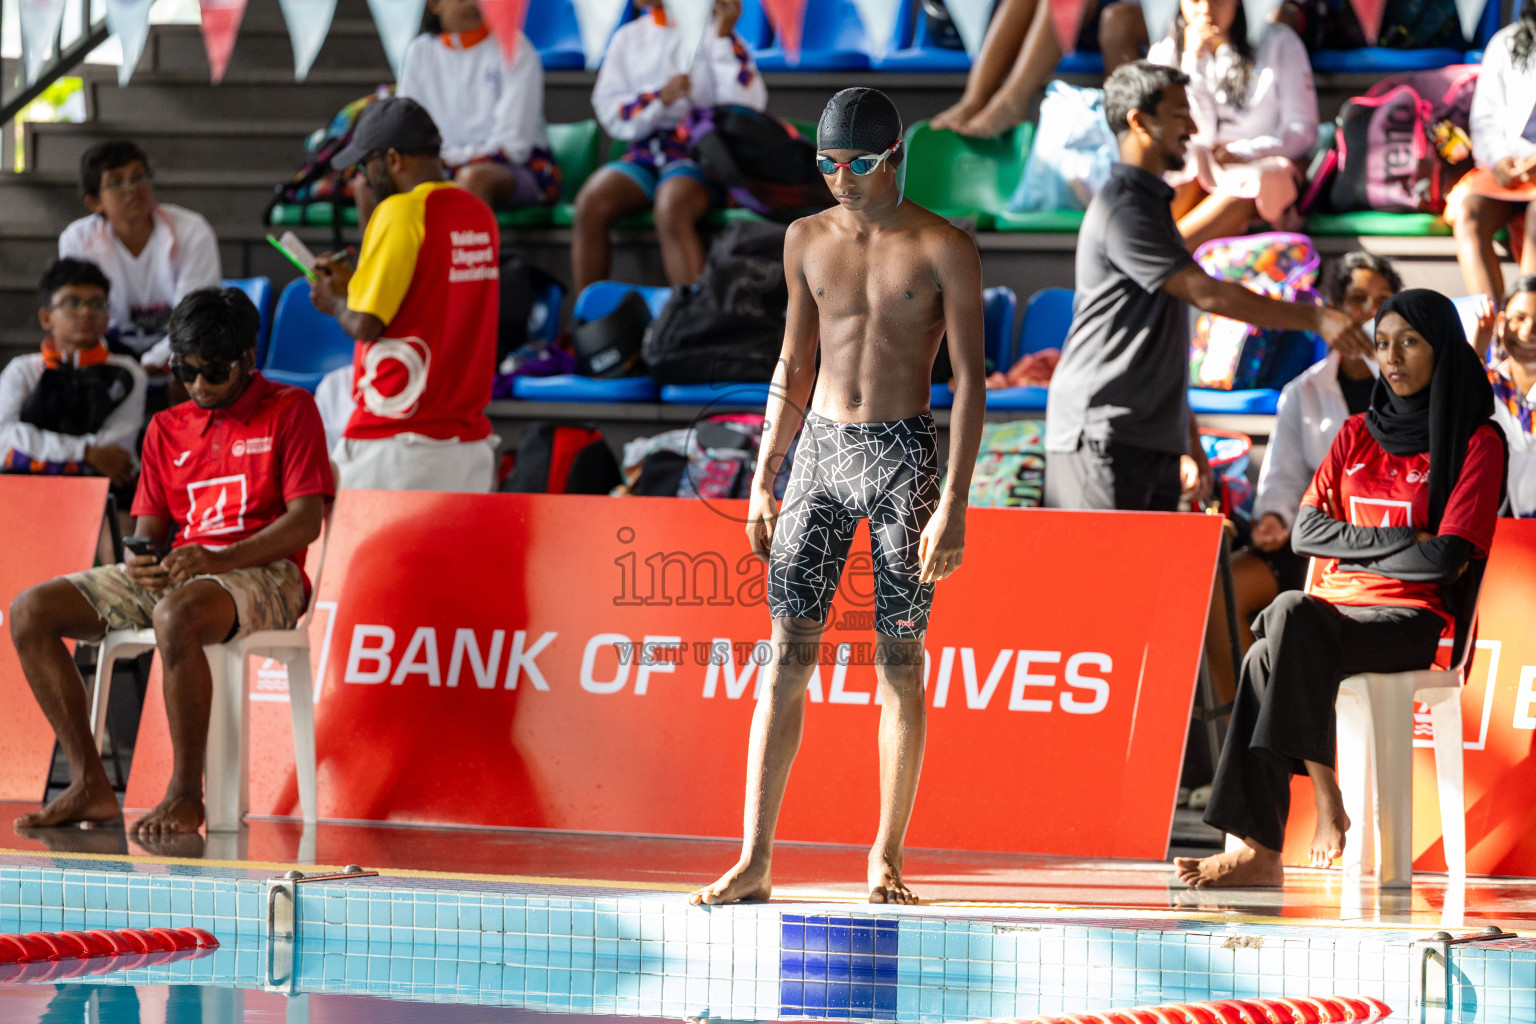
(765, 163)
(317, 181)
(1229, 355)
(610, 345)
(728, 325)
(563, 458)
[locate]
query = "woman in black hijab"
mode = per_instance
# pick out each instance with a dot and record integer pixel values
(1405, 500)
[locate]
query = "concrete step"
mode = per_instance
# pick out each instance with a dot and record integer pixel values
(231, 200)
(350, 45)
(268, 15)
(272, 146)
(18, 341)
(273, 95)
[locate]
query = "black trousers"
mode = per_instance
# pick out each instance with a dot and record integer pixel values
(1111, 475)
(1284, 716)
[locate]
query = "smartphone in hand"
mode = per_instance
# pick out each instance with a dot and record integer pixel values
(141, 546)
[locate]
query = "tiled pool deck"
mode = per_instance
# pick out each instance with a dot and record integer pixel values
(637, 951)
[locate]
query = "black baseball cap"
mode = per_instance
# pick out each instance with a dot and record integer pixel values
(394, 122)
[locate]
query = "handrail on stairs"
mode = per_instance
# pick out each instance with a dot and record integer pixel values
(14, 96)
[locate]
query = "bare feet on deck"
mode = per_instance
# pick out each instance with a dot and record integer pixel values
(94, 803)
(998, 116)
(885, 884)
(952, 118)
(742, 884)
(1247, 868)
(174, 814)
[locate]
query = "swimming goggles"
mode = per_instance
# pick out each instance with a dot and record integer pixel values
(858, 165)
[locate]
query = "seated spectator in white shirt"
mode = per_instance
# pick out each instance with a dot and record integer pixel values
(1514, 392)
(491, 113)
(1503, 142)
(153, 253)
(1255, 115)
(74, 407)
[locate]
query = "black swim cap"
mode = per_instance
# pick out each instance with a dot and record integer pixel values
(859, 119)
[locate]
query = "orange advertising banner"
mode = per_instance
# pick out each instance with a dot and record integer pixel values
(590, 663)
(51, 527)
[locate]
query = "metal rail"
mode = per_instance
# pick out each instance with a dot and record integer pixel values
(14, 96)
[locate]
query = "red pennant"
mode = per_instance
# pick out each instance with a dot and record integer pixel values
(1067, 19)
(1369, 12)
(221, 24)
(787, 18)
(505, 19)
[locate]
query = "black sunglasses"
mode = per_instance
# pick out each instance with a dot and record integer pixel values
(213, 373)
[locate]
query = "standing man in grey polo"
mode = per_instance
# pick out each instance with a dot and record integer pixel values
(1117, 419)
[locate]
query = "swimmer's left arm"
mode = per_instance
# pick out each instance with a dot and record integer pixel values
(957, 269)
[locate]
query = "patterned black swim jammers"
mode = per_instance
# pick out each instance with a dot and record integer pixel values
(844, 472)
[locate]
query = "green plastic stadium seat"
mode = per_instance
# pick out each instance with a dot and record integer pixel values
(1067, 222)
(959, 177)
(286, 215)
(1374, 222)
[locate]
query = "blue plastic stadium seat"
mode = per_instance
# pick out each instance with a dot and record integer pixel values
(306, 344)
(1027, 399)
(1047, 318)
(602, 297)
(544, 317)
(940, 397)
(922, 55)
(999, 306)
(259, 291)
(552, 29)
(1382, 60)
(1083, 62)
(569, 387)
(734, 395)
(832, 39)
(1259, 401)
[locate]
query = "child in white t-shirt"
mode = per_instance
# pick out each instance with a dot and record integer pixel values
(644, 93)
(153, 253)
(490, 113)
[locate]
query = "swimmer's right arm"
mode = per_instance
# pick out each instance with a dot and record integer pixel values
(792, 380)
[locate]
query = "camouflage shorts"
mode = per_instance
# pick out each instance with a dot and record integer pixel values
(266, 597)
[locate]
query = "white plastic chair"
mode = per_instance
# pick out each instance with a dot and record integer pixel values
(227, 771)
(1374, 712)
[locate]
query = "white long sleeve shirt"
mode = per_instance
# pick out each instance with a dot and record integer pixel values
(1280, 117)
(481, 105)
(1522, 441)
(182, 255)
(1502, 103)
(1309, 414)
(644, 54)
(20, 378)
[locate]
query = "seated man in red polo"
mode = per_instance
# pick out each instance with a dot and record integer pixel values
(240, 475)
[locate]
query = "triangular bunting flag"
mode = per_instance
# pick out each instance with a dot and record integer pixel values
(129, 21)
(692, 19)
(879, 18)
(308, 22)
(788, 20)
(505, 19)
(1369, 12)
(40, 20)
(221, 24)
(1067, 20)
(398, 22)
(1158, 15)
(597, 19)
(1471, 12)
(1257, 13)
(970, 18)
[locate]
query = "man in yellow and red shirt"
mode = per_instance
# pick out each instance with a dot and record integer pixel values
(423, 305)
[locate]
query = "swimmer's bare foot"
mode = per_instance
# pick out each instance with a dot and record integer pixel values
(1000, 115)
(744, 883)
(89, 801)
(176, 813)
(1247, 868)
(885, 884)
(951, 119)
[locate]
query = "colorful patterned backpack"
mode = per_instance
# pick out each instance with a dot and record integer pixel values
(1229, 355)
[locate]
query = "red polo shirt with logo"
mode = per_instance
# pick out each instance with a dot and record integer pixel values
(222, 475)
(1360, 483)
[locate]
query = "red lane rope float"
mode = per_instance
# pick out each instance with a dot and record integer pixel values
(1276, 1010)
(47, 956)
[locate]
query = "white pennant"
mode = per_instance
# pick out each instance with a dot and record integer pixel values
(1471, 12)
(879, 18)
(1158, 15)
(129, 21)
(970, 18)
(1257, 12)
(597, 19)
(308, 21)
(691, 18)
(398, 22)
(40, 20)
